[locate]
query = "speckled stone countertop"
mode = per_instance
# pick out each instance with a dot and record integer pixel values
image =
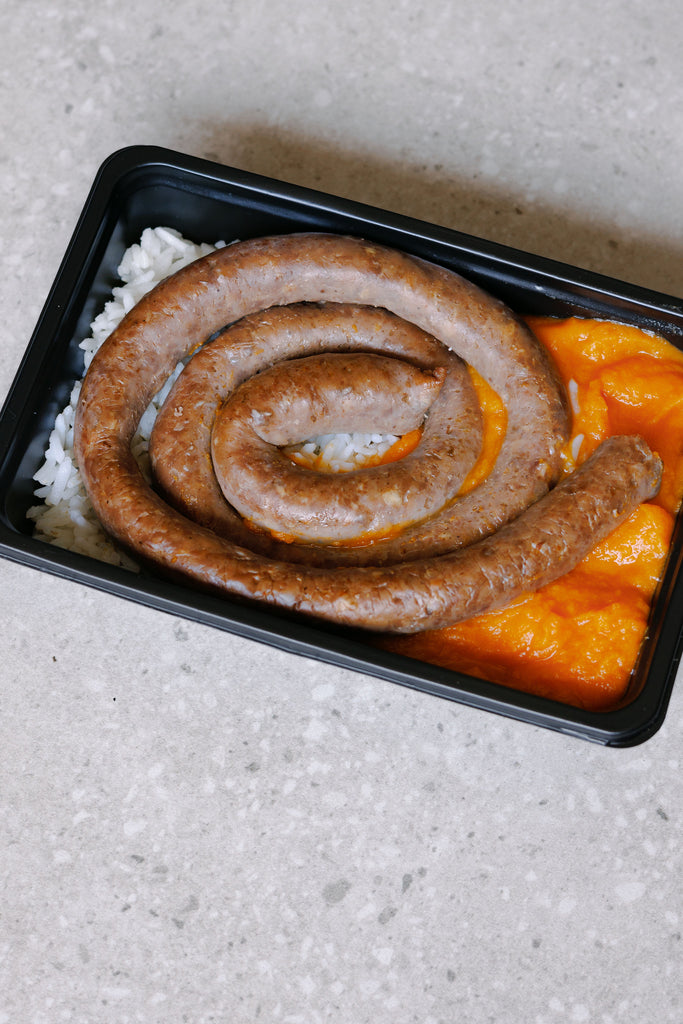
(195, 827)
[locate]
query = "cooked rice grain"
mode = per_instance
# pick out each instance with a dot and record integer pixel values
(64, 516)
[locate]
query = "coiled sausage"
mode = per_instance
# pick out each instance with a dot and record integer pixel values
(181, 441)
(425, 588)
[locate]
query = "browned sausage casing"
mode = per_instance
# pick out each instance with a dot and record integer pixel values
(368, 500)
(333, 393)
(423, 592)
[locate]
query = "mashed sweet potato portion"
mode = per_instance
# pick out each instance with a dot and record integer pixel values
(577, 640)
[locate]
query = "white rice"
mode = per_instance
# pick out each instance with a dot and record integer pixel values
(573, 391)
(64, 516)
(339, 453)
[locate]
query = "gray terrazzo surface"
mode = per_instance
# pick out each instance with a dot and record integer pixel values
(195, 827)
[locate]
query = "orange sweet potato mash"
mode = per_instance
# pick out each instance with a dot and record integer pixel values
(577, 640)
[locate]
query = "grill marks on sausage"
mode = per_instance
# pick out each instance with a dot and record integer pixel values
(424, 583)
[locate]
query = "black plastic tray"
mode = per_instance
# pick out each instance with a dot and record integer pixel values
(140, 187)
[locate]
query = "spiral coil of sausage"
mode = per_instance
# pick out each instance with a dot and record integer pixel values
(434, 557)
